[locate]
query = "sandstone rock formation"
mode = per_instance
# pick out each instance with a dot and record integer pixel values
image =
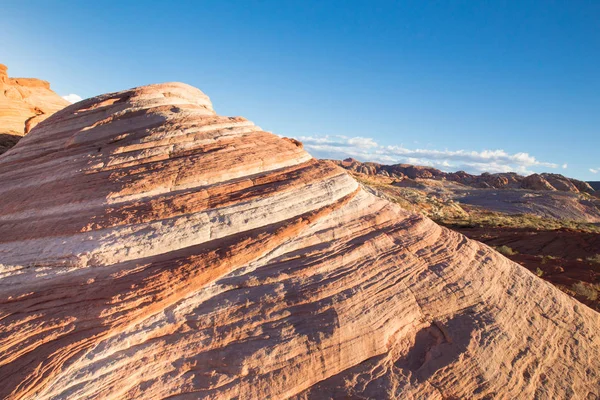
(24, 103)
(536, 182)
(151, 248)
(565, 257)
(508, 180)
(565, 184)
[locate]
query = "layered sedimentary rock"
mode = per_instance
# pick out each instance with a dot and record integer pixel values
(151, 248)
(536, 182)
(24, 103)
(507, 180)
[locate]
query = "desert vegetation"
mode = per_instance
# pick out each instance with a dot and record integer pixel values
(584, 289)
(594, 259)
(506, 251)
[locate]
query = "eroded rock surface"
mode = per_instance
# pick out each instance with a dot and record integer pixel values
(24, 103)
(151, 248)
(504, 180)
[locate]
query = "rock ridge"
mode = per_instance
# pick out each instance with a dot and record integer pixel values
(151, 248)
(24, 103)
(507, 180)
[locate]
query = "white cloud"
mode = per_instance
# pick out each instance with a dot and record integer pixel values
(594, 170)
(565, 166)
(363, 143)
(367, 149)
(72, 98)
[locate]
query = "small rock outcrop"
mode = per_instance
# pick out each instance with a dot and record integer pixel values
(536, 182)
(560, 182)
(151, 248)
(582, 186)
(24, 103)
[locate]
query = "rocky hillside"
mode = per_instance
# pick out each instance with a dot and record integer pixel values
(508, 180)
(24, 103)
(555, 234)
(151, 248)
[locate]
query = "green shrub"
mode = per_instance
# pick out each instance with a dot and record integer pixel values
(594, 259)
(506, 251)
(585, 290)
(545, 259)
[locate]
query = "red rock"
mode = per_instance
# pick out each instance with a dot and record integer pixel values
(152, 249)
(508, 180)
(536, 182)
(560, 182)
(582, 186)
(24, 103)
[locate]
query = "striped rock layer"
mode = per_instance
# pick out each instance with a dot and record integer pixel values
(25, 102)
(153, 249)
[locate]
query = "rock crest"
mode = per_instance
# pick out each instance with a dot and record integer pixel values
(509, 180)
(151, 248)
(24, 103)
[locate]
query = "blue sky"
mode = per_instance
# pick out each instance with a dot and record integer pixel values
(474, 85)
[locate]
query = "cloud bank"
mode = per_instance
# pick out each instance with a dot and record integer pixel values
(72, 98)
(367, 149)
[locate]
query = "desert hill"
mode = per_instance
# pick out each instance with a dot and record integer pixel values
(24, 103)
(151, 248)
(509, 180)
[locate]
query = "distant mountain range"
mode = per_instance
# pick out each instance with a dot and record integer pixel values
(509, 180)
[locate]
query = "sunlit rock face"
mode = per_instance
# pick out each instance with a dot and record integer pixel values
(25, 102)
(151, 248)
(502, 180)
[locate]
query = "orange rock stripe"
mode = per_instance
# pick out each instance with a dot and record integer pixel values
(117, 304)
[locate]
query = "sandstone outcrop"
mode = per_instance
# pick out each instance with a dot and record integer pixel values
(536, 182)
(582, 186)
(507, 180)
(565, 184)
(24, 103)
(565, 257)
(153, 249)
(560, 182)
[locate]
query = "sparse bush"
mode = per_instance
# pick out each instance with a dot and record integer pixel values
(594, 259)
(588, 291)
(539, 272)
(506, 251)
(545, 259)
